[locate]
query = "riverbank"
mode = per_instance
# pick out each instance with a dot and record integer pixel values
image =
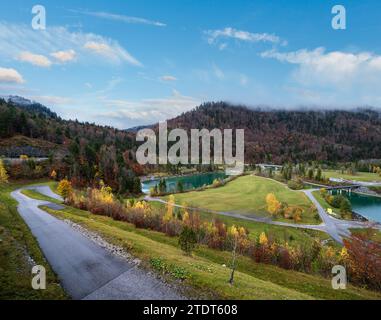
(366, 205)
(367, 192)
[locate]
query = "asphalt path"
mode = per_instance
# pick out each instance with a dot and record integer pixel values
(86, 270)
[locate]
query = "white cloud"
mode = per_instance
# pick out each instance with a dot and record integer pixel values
(15, 39)
(147, 111)
(168, 78)
(10, 76)
(64, 56)
(331, 68)
(115, 54)
(122, 18)
(51, 100)
(34, 59)
(240, 35)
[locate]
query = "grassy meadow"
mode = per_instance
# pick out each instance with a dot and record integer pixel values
(247, 195)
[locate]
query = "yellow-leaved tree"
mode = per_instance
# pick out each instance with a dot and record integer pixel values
(3, 173)
(64, 188)
(344, 255)
(105, 195)
(273, 205)
(263, 240)
(186, 217)
(170, 207)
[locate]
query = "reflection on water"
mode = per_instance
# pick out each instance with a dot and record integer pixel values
(189, 182)
(367, 206)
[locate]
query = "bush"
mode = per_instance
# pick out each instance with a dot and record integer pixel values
(65, 189)
(345, 206)
(188, 240)
(295, 185)
(337, 200)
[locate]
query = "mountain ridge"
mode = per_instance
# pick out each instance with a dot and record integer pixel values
(282, 135)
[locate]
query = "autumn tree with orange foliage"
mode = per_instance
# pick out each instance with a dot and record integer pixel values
(53, 175)
(363, 260)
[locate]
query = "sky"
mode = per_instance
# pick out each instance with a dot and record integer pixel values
(127, 63)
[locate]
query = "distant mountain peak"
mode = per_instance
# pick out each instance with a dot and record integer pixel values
(29, 105)
(17, 100)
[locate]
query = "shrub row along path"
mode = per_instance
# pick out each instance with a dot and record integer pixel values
(336, 228)
(86, 270)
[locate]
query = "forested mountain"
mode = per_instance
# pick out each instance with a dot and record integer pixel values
(84, 152)
(280, 135)
(87, 153)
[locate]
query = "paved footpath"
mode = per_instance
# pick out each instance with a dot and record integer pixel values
(86, 270)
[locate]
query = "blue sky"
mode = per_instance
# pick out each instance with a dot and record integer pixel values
(126, 63)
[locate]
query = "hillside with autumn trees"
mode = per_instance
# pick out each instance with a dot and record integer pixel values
(280, 136)
(84, 152)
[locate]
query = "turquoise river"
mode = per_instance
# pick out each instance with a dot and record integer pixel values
(190, 182)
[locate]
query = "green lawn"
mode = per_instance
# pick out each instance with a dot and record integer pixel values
(247, 195)
(360, 176)
(18, 248)
(208, 277)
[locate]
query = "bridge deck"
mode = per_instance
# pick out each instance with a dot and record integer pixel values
(354, 186)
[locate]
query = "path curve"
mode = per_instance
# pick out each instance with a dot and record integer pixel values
(86, 270)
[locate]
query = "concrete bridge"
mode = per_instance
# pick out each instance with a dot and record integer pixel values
(347, 187)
